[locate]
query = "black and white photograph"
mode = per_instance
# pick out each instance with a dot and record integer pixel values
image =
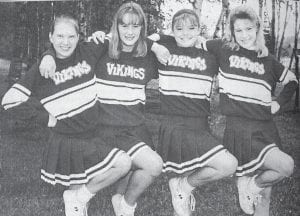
(149, 108)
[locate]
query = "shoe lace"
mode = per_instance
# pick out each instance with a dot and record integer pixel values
(192, 202)
(257, 199)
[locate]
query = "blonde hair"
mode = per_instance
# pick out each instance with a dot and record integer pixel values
(183, 15)
(244, 12)
(115, 45)
(64, 18)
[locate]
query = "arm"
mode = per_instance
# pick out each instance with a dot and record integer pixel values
(19, 104)
(290, 83)
(161, 52)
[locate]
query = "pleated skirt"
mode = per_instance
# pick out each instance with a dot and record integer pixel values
(131, 139)
(186, 143)
(250, 141)
(73, 160)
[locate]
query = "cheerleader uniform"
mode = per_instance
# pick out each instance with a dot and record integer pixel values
(185, 85)
(246, 84)
(121, 91)
(74, 154)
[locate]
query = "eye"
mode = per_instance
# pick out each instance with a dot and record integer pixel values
(249, 28)
(136, 26)
(237, 30)
(192, 28)
(124, 25)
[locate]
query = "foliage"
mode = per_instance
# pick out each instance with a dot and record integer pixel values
(25, 25)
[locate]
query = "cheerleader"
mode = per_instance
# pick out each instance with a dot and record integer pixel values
(189, 151)
(246, 79)
(74, 157)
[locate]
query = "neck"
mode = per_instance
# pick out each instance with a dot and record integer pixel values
(126, 48)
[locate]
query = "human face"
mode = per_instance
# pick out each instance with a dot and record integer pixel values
(64, 39)
(185, 33)
(245, 33)
(129, 32)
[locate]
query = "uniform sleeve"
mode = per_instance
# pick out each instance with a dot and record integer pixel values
(166, 39)
(281, 74)
(213, 46)
(154, 63)
(97, 50)
(19, 103)
(214, 66)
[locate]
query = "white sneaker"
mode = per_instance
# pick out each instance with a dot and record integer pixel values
(183, 203)
(73, 207)
(119, 209)
(247, 198)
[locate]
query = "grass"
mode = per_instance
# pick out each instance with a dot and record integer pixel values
(22, 193)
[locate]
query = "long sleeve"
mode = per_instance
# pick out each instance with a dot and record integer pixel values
(20, 104)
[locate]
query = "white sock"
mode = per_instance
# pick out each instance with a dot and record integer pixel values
(84, 195)
(126, 207)
(185, 185)
(253, 186)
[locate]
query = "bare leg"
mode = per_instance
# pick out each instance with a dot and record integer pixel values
(263, 207)
(120, 168)
(221, 166)
(276, 167)
(148, 166)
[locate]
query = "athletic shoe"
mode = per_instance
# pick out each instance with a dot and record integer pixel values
(247, 198)
(183, 203)
(73, 207)
(119, 209)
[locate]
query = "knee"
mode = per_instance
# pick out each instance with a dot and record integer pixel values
(228, 164)
(155, 167)
(123, 164)
(287, 166)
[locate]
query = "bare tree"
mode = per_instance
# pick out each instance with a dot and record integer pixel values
(197, 5)
(279, 48)
(222, 18)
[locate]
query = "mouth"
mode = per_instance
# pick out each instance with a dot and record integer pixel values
(65, 48)
(129, 38)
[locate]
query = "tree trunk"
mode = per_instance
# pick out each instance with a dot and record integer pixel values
(279, 49)
(261, 5)
(197, 5)
(296, 54)
(272, 30)
(222, 18)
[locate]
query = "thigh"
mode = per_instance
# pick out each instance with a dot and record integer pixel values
(277, 160)
(147, 159)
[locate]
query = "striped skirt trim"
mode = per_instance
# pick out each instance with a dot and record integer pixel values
(134, 150)
(194, 163)
(257, 162)
(83, 178)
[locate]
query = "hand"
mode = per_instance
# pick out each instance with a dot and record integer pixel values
(52, 121)
(161, 52)
(98, 36)
(154, 37)
(200, 43)
(274, 107)
(47, 66)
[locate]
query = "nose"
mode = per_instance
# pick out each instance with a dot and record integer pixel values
(130, 29)
(65, 40)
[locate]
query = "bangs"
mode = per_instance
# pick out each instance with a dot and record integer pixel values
(186, 18)
(130, 17)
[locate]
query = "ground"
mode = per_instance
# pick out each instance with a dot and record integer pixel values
(22, 192)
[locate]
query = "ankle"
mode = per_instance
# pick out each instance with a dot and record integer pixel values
(83, 194)
(185, 185)
(254, 186)
(127, 207)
